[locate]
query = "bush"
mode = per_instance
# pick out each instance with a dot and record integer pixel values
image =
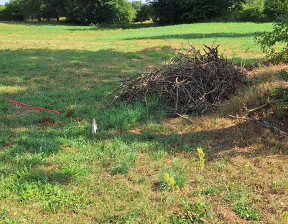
(268, 41)
(87, 12)
(11, 11)
(251, 15)
(143, 14)
(274, 9)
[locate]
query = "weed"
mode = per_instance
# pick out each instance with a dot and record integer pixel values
(169, 182)
(123, 166)
(221, 165)
(192, 213)
(211, 190)
(280, 185)
(283, 219)
(201, 156)
(246, 212)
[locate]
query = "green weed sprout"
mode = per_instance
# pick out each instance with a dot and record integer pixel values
(201, 155)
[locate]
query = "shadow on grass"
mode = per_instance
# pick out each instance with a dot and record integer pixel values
(83, 27)
(114, 27)
(232, 141)
(199, 36)
(60, 79)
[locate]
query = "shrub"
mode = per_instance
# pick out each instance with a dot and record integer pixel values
(268, 41)
(274, 9)
(250, 14)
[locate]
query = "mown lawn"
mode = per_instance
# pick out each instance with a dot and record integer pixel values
(140, 167)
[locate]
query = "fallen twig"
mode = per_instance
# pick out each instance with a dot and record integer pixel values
(185, 118)
(264, 105)
(263, 123)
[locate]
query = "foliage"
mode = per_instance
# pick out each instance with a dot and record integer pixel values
(250, 14)
(246, 212)
(192, 213)
(268, 41)
(143, 14)
(137, 5)
(183, 11)
(33, 9)
(88, 11)
(11, 11)
(261, 10)
(107, 11)
(274, 9)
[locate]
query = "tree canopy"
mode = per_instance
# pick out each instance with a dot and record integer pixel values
(80, 11)
(186, 11)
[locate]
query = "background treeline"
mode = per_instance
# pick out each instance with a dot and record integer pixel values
(160, 11)
(76, 11)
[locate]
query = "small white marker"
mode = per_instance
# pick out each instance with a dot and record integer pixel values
(94, 126)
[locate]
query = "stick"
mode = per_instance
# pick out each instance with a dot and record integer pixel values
(263, 123)
(265, 105)
(186, 119)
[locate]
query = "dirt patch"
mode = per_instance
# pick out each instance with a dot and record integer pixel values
(47, 121)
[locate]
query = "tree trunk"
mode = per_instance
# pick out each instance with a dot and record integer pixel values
(57, 16)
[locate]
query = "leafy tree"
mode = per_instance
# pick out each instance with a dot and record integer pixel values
(116, 11)
(98, 11)
(137, 5)
(274, 9)
(143, 14)
(12, 11)
(32, 8)
(268, 41)
(186, 11)
(53, 9)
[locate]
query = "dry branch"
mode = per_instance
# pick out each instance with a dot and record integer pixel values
(263, 123)
(264, 105)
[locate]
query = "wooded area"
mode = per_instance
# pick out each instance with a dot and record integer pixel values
(160, 11)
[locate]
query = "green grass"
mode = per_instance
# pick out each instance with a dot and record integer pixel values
(64, 174)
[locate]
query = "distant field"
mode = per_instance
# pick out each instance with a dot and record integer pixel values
(60, 173)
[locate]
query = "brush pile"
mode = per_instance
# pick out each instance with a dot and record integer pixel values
(189, 82)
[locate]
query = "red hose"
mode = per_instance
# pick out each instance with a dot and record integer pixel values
(39, 108)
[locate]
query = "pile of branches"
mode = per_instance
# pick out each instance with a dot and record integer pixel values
(189, 82)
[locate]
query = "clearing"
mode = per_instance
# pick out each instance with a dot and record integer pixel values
(140, 167)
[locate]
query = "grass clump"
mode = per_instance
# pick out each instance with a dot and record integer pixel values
(192, 213)
(169, 182)
(123, 165)
(175, 177)
(246, 212)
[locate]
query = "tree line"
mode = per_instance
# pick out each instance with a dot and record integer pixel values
(122, 11)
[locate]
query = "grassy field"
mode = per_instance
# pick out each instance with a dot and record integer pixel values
(140, 167)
